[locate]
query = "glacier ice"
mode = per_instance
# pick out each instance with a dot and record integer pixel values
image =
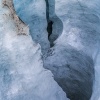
(71, 27)
(80, 32)
(22, 76)
(73, 70)
(96, 88)
(57, 25)
(72, 58)
(35, 16)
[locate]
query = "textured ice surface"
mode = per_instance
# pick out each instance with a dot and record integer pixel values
(76, 26)
(73, 70)
(72, 58)
(80, 24)
(96, 88)
(33, 12)
(22, 76)
(77, 22)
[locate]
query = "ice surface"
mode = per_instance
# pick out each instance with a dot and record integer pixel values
(22, 76)
(35, 16)
(73, 70)
(80, 24)
(72, 59)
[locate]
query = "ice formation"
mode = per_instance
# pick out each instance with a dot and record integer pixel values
(22, 76)
(35, 16)
(68, 32)
(72, 58)
(22, 28)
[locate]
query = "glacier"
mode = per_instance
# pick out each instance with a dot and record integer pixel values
(35, 18)
(22, 76)
(61, 51)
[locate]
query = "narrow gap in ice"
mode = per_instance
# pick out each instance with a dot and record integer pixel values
(55, 25)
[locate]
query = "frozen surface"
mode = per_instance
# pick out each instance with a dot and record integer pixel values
(22, 76)
(96, 88)
(33, 12)
(80, 24)
(73, 70)
(76, 24)
(74, 58)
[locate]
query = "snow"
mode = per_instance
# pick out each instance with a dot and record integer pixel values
(22, 76)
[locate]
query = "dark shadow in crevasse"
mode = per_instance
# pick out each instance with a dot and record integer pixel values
(55, 25)
(49, 28)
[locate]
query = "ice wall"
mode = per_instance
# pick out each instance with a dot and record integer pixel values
(96, 88)
(33, 12)
(80, 24)
(72, 58)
